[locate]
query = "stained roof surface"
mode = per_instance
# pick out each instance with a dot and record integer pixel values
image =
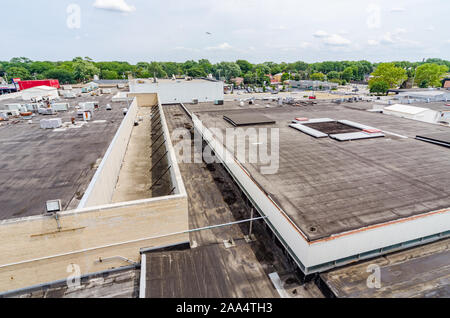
(334, 187)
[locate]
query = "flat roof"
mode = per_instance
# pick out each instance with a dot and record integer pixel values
(329, 187)
(421, 272)
(37, 165)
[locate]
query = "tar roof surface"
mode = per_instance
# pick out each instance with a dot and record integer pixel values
(334, 186)
(37, 165)
(421, 272)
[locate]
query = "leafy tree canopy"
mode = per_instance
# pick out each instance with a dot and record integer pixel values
(430, 74)
(394, 76)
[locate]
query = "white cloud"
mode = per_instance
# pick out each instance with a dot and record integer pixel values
(398, 9)
(223, 46)
(395, 37)
(320, 34)
(337, 40)
(331, 39)
(114, 5)
(373, 42)
(430, 28)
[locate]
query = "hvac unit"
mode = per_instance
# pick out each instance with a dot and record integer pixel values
(51, 123)
(46, 111)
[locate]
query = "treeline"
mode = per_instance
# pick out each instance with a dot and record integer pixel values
(84, 69)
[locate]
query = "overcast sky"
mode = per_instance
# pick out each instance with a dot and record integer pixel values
(226, 30)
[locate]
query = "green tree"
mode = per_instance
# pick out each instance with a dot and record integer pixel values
(40, 67)
(196, 71)
(333, 75)
(285, 77)
(155, 69)
(109, 75)
(250, 78)
(84, 70)
(18, 72)
(227, 70)
(206, 66)
(171, 68)
(430, 74)
(318, 76)
(389, 73)
(245, 66)
(347, 74)
(62, 75)
(378, 86)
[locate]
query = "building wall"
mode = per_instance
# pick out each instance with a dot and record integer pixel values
(34, 251)
(28, 94)
(145, 99)
(428, 116)
(102, 186)
(181, 91)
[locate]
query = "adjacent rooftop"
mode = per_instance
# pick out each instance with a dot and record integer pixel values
(37, 165)
(329, 187)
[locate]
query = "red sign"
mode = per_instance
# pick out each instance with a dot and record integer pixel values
(29, 84)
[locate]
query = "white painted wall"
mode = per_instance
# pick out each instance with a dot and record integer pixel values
(428, 116)
(181, 91)
(38, 93)
(103, 183)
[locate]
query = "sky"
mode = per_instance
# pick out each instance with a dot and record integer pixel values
(226, 30)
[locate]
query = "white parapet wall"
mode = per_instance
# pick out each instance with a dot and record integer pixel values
(101, 188)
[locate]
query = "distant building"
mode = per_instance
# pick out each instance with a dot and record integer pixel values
(276, 79)
(238, 81)
(180, 91)
(446, 83)
(312, 85)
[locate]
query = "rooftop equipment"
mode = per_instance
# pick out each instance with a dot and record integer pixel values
(46, 111)
(51, 123)
(59, 107)
(53, 206)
